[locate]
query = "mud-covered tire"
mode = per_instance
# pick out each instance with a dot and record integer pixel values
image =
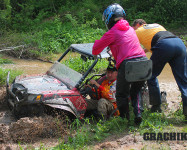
(16, 114)
(7, 102)
(28, 111)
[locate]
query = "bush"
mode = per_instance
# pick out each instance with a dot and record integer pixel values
(28, 15)
(56, 36)
(52, 26)
(81, 66)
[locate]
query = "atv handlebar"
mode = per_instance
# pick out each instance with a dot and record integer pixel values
(110, 59)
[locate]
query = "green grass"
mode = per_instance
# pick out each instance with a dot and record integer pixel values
(86, 133)
(57, 37)
(4, 73)
(5, 61)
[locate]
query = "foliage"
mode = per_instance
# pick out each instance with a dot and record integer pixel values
(153, 122)
(5, 13)
(55, 37)
(4, 73)
(5, 61)
(81, 66)
(156, 11)
(52, 26)
(29, 14)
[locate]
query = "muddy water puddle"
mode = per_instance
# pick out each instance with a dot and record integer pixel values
(28, 66)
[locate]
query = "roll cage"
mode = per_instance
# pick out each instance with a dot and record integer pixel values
(86, 53)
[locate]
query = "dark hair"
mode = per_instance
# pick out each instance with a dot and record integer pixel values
(138, 21)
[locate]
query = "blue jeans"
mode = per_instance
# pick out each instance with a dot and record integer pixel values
(172, 51)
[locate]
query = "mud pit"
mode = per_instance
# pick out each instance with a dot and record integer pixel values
(46, 131)
(32, 131)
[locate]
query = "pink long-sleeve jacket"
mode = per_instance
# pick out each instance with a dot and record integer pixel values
(123, 42)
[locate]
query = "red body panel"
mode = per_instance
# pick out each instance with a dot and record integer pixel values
(73, 95)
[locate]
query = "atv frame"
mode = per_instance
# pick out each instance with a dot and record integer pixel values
(60, 88)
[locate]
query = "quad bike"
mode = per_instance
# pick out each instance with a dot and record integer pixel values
(60, 89)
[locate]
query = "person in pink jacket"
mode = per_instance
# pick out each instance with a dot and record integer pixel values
(124, 45)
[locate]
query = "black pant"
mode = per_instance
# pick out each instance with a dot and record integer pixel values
(124, 89)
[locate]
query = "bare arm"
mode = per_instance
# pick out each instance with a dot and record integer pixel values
(94, 82)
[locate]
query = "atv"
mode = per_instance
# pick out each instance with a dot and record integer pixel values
(60, 88)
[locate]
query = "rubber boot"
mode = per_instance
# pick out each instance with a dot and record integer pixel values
(138, 119)
(124, 112)
(156, 108)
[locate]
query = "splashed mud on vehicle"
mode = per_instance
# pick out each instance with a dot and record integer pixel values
(59, 88)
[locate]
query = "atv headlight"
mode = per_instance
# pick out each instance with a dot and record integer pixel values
(35, 97)
(38, 97)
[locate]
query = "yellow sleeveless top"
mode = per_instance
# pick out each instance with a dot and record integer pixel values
(146, 32)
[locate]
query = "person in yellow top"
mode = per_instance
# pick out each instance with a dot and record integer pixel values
(146, 33)
(165, 48)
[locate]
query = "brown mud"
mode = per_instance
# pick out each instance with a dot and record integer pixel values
(44, 131)
(47, 131)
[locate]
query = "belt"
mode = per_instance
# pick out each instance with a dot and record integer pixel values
(161, 35)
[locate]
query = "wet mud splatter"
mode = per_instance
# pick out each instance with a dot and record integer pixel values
(30, 131)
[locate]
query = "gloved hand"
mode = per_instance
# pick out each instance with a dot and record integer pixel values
(95, 56)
